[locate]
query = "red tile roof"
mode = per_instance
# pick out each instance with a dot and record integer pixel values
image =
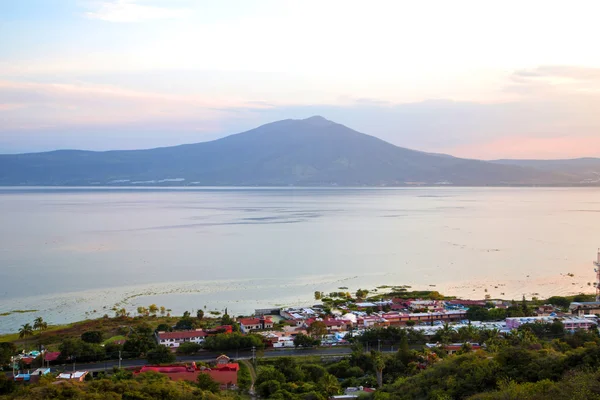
(181, 334)
(254, 321)
(51, 355)
(224, 375)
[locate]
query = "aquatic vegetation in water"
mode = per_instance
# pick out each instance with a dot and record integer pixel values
(6, 314)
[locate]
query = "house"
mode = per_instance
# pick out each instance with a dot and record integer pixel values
(222, 360)
(453, 348)
(176, 338)
(426, 305)
(354, 392)
(573, 324)
(33, 376)
(252, 324)
(51, 356)
(78, 376)
(581, 308)
(336, 325)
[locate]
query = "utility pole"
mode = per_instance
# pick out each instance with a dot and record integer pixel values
(379, 345)
(73, 363)
(120, 359)
(254, 355)
(12, 361)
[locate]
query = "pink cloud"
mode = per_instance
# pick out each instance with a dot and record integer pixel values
(520, 147)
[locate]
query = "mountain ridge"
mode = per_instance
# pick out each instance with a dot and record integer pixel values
(298, 152)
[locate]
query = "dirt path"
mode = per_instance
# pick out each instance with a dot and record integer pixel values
(252, 375)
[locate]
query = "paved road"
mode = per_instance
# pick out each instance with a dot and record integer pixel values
(207, 356)
(210, 356)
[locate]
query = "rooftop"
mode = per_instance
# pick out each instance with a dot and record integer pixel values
(181, 334)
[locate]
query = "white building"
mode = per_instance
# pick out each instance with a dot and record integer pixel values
(174, 339)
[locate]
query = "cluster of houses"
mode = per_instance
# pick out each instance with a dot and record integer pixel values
(426, 316)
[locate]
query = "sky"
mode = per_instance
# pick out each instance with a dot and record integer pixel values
(478, 79)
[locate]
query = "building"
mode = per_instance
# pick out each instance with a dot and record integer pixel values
(354, 392)
(224, 373)
(267, 311)
(582, 308)
(33, 376)
(453, 348)
(570, 324)
(175, 339)
(397, 318)
(426, 305)
(78, 376)
(253, 324)
(50, 356)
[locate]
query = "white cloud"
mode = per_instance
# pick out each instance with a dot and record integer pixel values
(132, 11)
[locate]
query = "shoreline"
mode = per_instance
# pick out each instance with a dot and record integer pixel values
(242, 297)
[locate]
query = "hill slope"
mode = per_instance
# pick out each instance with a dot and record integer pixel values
(312, 151)
(587, 170)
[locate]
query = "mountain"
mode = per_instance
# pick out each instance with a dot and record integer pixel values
(587, 170)
(312, 151)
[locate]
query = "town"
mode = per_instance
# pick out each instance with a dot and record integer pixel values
(434, 324)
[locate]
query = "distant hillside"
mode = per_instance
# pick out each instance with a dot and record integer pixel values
(307, 152)
(585, 170)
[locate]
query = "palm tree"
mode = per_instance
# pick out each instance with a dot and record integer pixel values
(379, 364)
(25, 330)
(445, 333)
(329, 384)
(39, 324)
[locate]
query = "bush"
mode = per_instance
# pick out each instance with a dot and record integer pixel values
(206, 382)
(160, 355)
(189, 348)
(92, 337)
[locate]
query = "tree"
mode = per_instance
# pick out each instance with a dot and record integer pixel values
(7, 385)
(185, 323)
(140, 341)
(160, 355)
(318, 295)
(200, 314)
(142, 311)
(444, 334)
(317, 329)
(206, 382)
(39, 324)
(188, 348)
(163, 328)
(361, 293)
(152, 309)
(227, 320)
(524, 307)
(477, 313)
(379, 365)
(559, 301)
(7, 350)
(92, 337)
(121, 313)
(330, 385)
(163, 311)
(302, 340)
(25, 330)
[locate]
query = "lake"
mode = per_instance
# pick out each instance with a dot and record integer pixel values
(74, 253)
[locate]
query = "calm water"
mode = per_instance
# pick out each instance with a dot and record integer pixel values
(71, 251)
